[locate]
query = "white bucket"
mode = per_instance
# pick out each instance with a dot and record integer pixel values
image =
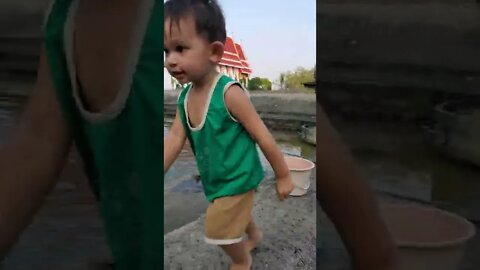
(426, 237)
(300, 171)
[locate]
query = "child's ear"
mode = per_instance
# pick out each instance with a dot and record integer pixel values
(216, 51)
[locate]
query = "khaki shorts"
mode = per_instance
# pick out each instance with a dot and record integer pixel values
(227, 219)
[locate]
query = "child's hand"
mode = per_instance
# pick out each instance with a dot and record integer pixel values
(284, 187)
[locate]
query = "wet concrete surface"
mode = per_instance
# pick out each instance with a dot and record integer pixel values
(184, 200)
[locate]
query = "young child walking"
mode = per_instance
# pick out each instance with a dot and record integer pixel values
(215, 114)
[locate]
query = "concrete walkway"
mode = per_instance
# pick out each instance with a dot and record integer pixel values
(289, 236)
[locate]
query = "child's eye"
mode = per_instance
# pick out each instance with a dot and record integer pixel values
(165, 51)
(179, 49)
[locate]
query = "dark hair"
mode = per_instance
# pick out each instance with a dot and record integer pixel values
(207, 14)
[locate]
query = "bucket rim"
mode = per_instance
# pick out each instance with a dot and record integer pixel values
(312, 165)
(470, 229)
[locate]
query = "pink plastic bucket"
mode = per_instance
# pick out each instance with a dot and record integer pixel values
(300, 171)
(426, 237)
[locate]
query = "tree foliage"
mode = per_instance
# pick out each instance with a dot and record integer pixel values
(258, 83)
(296, 79)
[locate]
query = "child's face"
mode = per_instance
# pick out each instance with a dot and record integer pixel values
(188, 55)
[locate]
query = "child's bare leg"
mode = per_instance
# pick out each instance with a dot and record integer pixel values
(254, 234)
(241, 259)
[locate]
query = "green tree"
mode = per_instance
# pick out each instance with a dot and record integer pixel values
(255, 84)
(258, 83)
(266, 84)
(296, 79)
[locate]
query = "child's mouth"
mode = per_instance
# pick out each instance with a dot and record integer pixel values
(177, 74)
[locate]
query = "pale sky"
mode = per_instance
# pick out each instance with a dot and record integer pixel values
(276, 35)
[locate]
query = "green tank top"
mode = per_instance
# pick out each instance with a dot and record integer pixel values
(122, 146)
(226, 155)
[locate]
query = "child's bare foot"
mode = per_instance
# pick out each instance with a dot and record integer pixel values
(255, 237)
(241, 266)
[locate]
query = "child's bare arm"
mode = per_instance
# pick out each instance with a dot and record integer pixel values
(242, 109)
(349, 202)
(31, 161)
(173, 143)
